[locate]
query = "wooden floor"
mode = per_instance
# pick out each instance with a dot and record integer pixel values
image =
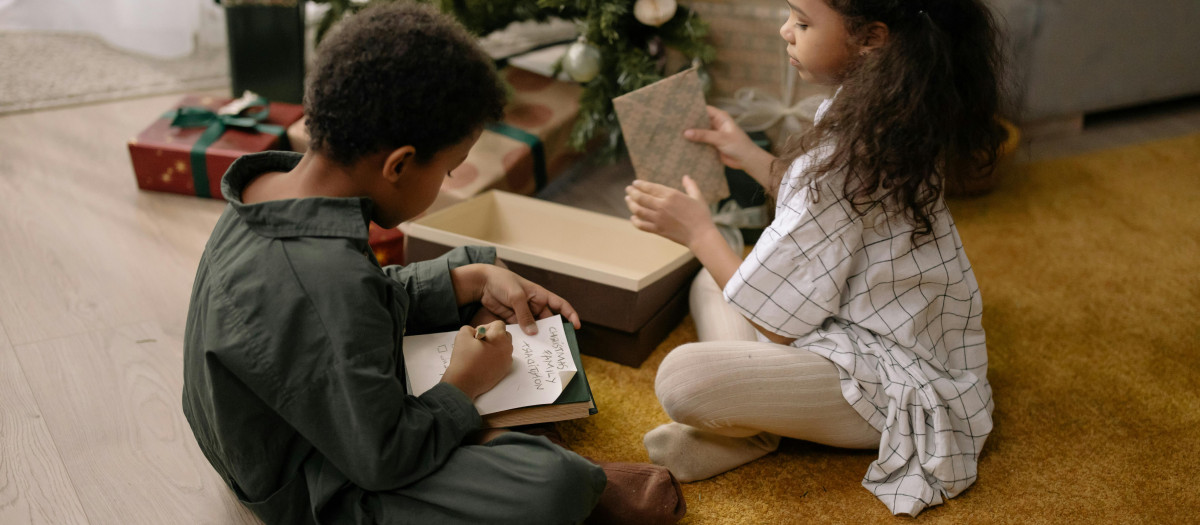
(94, 282)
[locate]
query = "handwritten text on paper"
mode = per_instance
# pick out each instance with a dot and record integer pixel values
(541, 366)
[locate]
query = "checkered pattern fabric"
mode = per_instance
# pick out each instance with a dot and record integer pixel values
(901, 319)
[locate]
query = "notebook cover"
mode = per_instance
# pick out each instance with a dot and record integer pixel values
(653, 120)
(578, 389)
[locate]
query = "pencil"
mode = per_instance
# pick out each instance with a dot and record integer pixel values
(480, 332)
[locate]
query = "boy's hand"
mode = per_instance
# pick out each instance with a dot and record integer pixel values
(734, 146)
(517, 300)
(478, 364)
(668, 212)
(508, 296)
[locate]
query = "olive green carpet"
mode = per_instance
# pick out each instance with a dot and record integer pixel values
(1090, 272)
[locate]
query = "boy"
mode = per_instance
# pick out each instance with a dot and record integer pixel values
(292, 364)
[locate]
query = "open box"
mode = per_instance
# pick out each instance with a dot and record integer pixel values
(629, 287)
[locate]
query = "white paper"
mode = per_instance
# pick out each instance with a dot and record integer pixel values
(520, 37)
(542, 61)
(541, 366)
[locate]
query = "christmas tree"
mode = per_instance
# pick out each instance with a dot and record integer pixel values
(623, 45)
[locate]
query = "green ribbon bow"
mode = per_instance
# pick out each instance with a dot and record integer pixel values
(196, 117)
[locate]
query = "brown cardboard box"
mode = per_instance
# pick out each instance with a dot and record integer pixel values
(629, 286)
(631, 348)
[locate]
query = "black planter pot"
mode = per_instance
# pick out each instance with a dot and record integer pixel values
(266, 48)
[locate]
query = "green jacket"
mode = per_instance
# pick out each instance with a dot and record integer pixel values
(293, 371)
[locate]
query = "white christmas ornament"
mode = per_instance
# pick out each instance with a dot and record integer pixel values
(582, 61)
(654, 12)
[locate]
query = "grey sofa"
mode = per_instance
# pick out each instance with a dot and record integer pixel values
(1072, 57)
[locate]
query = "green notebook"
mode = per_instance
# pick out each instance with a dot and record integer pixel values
(575, 402)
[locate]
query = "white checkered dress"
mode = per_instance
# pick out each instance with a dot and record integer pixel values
(901, 321)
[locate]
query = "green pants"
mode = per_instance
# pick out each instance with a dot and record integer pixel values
(516, 478)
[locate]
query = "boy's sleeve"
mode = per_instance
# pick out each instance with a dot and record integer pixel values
(431, 303)
(334, 376)
(376, 435)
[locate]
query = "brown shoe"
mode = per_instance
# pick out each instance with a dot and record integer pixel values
(639, 493)
(636, 493)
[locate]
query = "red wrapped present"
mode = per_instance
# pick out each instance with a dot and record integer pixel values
(388, 244)
(189, 149)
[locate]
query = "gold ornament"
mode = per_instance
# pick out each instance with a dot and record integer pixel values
(654, 12)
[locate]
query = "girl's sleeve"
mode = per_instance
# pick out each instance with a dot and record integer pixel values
(794, 278)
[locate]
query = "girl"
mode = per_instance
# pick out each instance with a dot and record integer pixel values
(855, 320)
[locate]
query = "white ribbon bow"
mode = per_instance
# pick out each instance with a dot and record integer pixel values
(237, 105)
(754, 110)
(730, 218)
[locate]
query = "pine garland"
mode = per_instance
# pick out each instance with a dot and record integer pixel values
(632, 53)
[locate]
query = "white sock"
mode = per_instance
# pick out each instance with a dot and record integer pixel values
(692, 454)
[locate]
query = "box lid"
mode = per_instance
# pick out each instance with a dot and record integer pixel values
(570, 241)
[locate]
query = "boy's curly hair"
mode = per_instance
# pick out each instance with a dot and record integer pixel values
(399, 74)
(919, 109)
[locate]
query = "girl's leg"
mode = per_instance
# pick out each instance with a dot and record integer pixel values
(715, 319)
(732, 400)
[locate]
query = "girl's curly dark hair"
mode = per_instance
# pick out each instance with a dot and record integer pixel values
(399, 74)
(919, 109)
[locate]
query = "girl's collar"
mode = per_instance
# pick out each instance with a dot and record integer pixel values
(825, 106)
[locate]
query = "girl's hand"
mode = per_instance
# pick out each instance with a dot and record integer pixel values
(508, 297)
(735, 147)
(478, 364)
(669, 212)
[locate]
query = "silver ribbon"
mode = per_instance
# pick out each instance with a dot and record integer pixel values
(730, 218)
(238, 105)
(754, 110)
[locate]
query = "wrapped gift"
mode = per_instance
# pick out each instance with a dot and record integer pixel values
(387, 243)
(752, 78)
(629, 287)
(742, 216)
(188, 149)
(522, 153)
(297, 135)
(750, 51)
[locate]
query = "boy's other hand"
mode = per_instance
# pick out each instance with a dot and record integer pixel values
(665, 211)
(509, 296)
(478, 364)
(517, 300)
